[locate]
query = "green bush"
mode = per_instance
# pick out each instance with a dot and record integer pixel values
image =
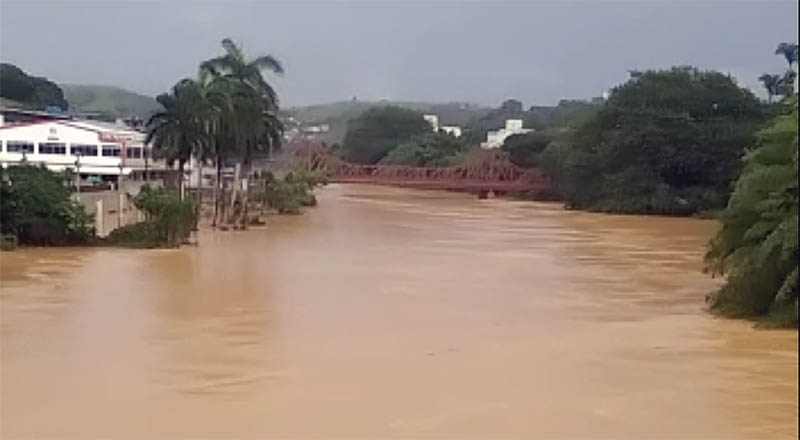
(427, 150)
(36, 208)
(138, 235)
(757, 246)
(290, 194)
(169, 221)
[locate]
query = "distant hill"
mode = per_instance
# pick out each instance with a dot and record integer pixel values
(108, 100)
(337, 114)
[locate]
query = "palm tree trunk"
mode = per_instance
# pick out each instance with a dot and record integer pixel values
(181, 189)
(245, 196)
(217, 192)
(237, 176)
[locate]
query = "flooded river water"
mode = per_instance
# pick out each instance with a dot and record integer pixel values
(391, 313)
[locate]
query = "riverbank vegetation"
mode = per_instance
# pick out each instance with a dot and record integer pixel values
(168, 221)
(36, 209)
(286, 195)
(757, 246)
(665, 142)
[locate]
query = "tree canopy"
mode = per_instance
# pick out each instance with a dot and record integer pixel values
(665, 142)
(35, 207)
(757, 246)
(377, 131)
(525, 149)
(37, 92)
(427, 150)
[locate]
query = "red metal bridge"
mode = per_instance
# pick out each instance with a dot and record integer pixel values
(485, 171)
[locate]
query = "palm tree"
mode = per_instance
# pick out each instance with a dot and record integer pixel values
(771, 83)
(789, 51)
(179, 131)
(236, 66)
(245, 104)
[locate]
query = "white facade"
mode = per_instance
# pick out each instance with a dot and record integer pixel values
(495, 139)
(451, 129)
(433, 120)
(60, 144)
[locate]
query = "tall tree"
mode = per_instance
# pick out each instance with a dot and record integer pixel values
(180, 131)
(377, 131)
(771, 83)
(236, 66)
(789, 51)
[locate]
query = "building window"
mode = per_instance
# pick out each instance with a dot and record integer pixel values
(19, 147)
(52, 148)
(134, 153)
(111, 150)
(83, 149)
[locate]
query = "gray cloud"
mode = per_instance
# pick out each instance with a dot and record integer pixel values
(482, 52)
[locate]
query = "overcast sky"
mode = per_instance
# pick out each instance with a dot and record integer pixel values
(482, 52)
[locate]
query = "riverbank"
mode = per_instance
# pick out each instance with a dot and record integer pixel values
(387, 312)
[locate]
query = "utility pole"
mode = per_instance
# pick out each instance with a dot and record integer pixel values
(119, 196)
(78, 177)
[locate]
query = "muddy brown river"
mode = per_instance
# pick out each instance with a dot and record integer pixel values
(389, 313)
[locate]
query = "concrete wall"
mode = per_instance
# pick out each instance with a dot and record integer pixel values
(105, 206)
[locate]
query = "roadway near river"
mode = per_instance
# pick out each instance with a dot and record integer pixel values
(388, 312)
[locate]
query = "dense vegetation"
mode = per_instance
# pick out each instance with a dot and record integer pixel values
(374, 133)
(36, 208)
(427, 150)
(665, 142)
(526, 149)
(757, 246)
(32, 91)
(168, 221)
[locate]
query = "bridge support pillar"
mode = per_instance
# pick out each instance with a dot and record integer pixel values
(483, 195)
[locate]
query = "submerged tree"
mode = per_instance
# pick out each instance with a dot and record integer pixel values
(757, 247)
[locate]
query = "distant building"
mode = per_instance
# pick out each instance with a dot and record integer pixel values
(433, 120)
(451, 129)
(495, 139)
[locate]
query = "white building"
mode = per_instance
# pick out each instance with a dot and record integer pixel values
(433, 120)
(88, 147)
(449, 129)
(495, 139)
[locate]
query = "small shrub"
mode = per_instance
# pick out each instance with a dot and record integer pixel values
(138, 235)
